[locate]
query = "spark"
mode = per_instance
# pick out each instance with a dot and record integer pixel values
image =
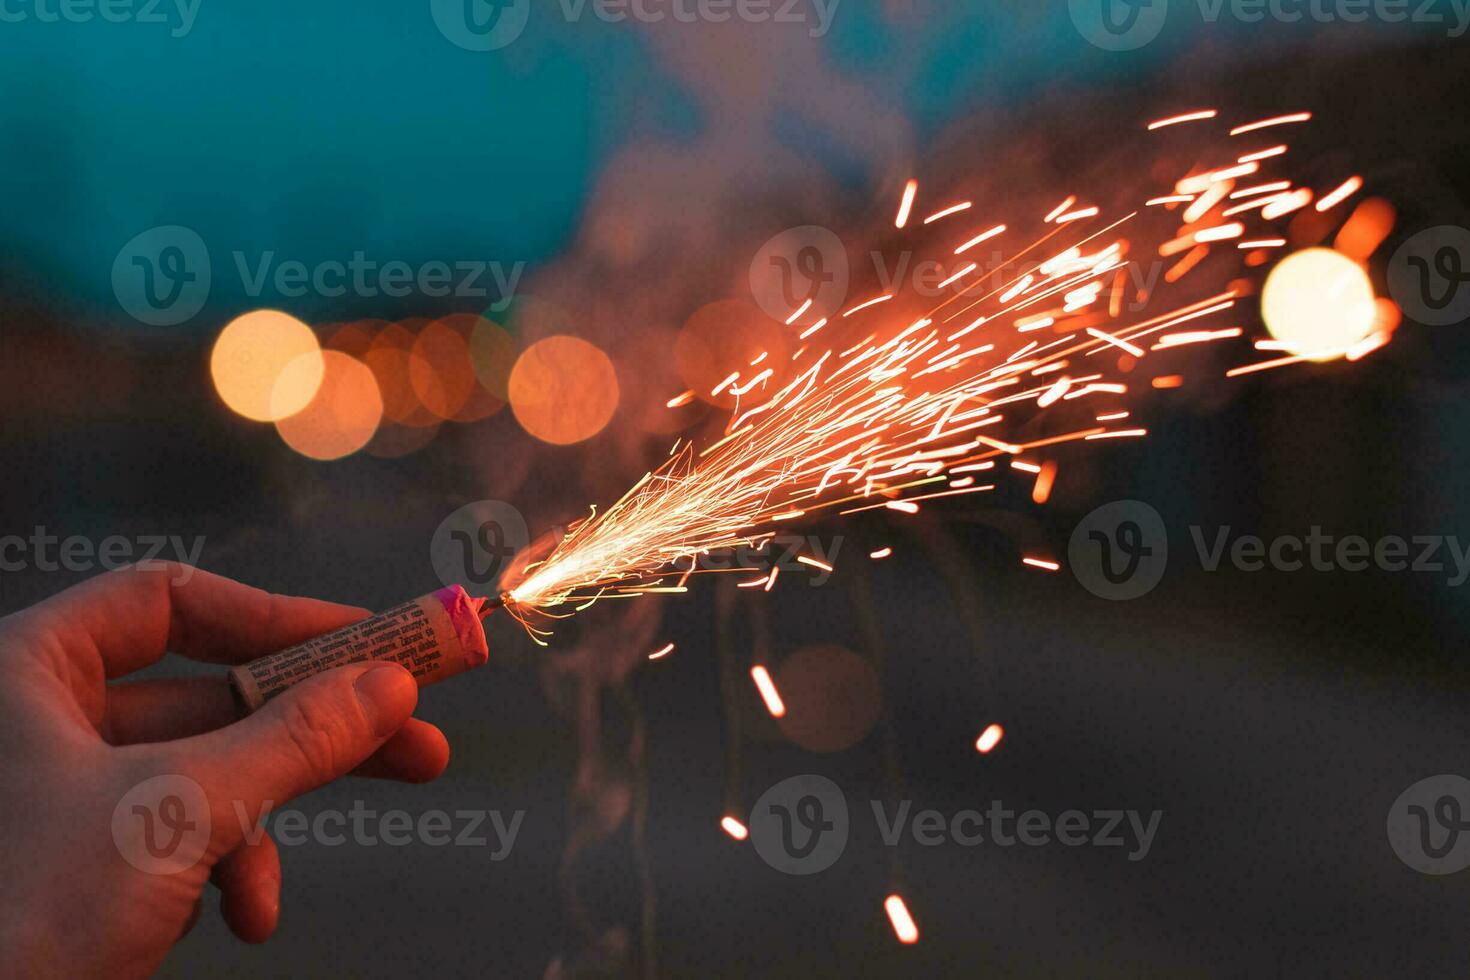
(1274, 151)
(662, 652)
(1059, 210)
(872, 302)
(903, 923)
(1349, 187)
(984, 236)
(814, 563)
(1183, 118)
(1295, 117)
(1119, 434)
(768, 692)
(880, 554)
(907, 204)
(989, 739)
(735, 828)
(954, 209)
(896, 409)
(800, 310)
(1045, 480)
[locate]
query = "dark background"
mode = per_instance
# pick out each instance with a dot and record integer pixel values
(1273, 717)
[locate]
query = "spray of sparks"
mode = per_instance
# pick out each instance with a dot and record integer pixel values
(895, 400)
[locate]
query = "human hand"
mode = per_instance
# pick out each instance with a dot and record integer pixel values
(94, 775)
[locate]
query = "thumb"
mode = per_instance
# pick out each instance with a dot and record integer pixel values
(311, 734)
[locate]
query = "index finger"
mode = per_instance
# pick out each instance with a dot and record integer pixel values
(128, 619)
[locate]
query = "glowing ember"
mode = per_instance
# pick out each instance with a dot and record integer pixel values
(767, 688)
(989, 739)
(734, 828)
(903, 923)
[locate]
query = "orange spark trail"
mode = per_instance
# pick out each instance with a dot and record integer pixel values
(909, 388)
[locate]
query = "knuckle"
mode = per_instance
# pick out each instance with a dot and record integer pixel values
(314, 734)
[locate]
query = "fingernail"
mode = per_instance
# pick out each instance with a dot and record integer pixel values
(387, 694)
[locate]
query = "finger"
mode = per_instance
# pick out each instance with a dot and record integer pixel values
(163, 710)
(249, 880)
(193, 919)
(318, 730)
(128, 618)
(417, 754)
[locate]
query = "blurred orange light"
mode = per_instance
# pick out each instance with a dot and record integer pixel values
(989, 739)
(767, 688)
(1318, 303)
(492, 355)
(1366, 229)
(903, 923)
(721, 334)
(735, 828)
(248, 360)
(342, 416)
(388, 358)
(563, 390)
(442, 374)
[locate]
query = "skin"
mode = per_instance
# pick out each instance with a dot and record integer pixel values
(75, 740)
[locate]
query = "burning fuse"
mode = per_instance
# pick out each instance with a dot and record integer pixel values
(433, 637)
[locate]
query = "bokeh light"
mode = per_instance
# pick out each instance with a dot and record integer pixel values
(439, 369)
(343, 415)
(563, 390)
(833, 696)
(722, 336)
(492, 355)
(248, 360)
(388, 359)
(1318, 302)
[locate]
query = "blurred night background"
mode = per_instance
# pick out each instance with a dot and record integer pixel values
(608, 182)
